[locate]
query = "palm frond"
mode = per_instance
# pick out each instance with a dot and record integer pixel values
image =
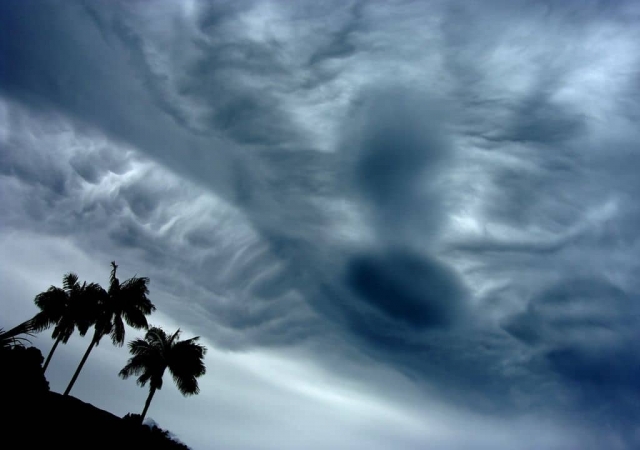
(134, 317)
(174, 336)
(134, 301)
(135, 287)
(114, 283)
(70, 282)
(138, 346)
(42, 321)
(144, 378)
(12, 337)
(156, 336)
(52, 303)
(117, 331)
(135, 366)
(187, 385)
(187, 359)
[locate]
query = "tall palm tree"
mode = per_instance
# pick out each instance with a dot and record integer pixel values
(123, 302)
(67, 308)
(158, 352)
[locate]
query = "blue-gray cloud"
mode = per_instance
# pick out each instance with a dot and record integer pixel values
(446, 189)
(418, 291)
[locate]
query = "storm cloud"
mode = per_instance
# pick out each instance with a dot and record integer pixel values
(415, 223)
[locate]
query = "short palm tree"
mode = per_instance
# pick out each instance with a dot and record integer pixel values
(14, 337)
(123, 302)
(64, 308)
(158, 352)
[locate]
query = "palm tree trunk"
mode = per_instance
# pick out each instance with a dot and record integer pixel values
(53, 349)
(84, 359)
(152, 391)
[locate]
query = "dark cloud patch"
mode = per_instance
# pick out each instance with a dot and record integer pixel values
(241, 115)
(144, 198)
(536, 189)
(600, 369)
(340, 44)
(416, 290)
(239, 82)
(255, 324)
(32, 70)
(378, 337)
(537, 119)
(248, 115)
(474, 368)
(587, 329)
(575, 310)
(534, 118)
(219, 14)
(87, 169)
(201, 238)
(271, 285)
(605, 381)
(39, 169)
(127, 233)
(340, 47)
(34, 169)
(398, 139)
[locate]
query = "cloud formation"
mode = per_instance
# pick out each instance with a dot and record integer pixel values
(442, 190)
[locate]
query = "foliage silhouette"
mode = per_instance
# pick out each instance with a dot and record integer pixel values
(12, 338)
(158, 352)
(134, 420)
(21, 375)
(67, 308)
(123, 302)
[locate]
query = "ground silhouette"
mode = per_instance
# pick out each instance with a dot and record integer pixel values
(35, 417)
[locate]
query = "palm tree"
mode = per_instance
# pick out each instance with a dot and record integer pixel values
(12, 338)
(158, 352)
(124, 302)
(66, 308)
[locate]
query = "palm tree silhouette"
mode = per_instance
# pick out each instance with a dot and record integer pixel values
(12, 338)
(123, 302)
(67, 308)
(158, 352)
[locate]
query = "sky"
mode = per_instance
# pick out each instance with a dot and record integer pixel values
(394, 224)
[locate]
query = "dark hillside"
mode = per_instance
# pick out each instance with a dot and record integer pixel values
(34, 417)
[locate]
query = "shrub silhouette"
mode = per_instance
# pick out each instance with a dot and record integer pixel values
(22, 378)
(152, 432)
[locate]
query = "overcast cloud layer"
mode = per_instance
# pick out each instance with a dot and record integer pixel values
(395, 224)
